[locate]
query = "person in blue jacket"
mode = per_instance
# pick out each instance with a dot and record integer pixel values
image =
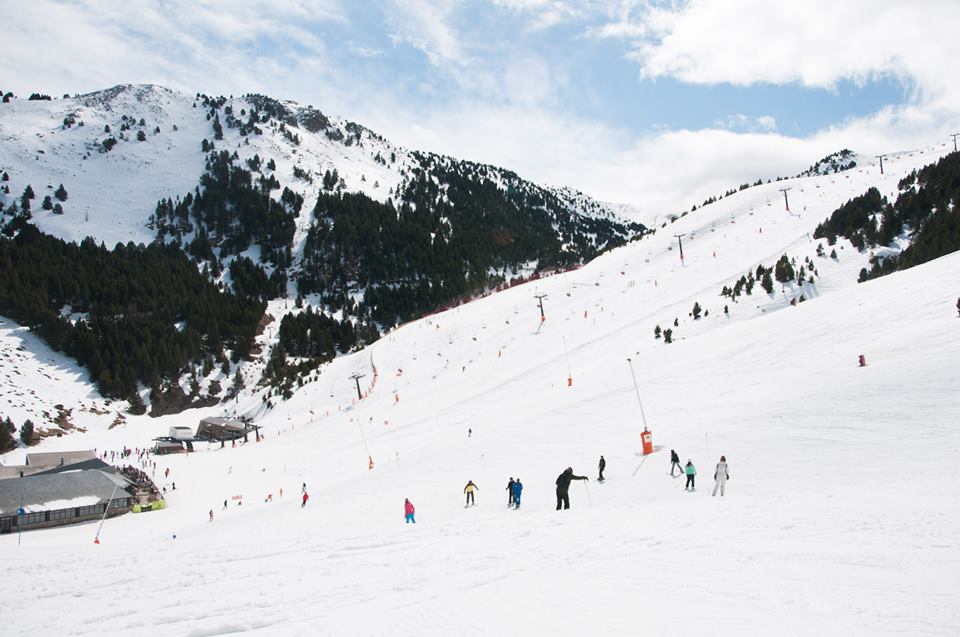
(517, 489)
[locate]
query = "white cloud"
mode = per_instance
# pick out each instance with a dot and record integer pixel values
(817, 43)
(424, 25)
(739, 122)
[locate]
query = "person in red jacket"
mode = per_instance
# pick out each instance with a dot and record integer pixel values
(408, 511)
(303, 502)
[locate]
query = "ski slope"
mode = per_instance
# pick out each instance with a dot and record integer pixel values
(840, 518)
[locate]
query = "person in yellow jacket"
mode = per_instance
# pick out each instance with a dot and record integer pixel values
(469, 489)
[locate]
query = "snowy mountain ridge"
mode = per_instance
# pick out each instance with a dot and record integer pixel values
(46, 143)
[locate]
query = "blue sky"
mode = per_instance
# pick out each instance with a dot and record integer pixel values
(651, 103)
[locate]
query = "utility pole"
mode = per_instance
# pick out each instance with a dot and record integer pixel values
(540, 298)
(880, 157)
(785, 200)
(357, 377)
(680, 241)
(954, 136)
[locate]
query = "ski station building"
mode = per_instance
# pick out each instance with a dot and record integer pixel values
(63, 495)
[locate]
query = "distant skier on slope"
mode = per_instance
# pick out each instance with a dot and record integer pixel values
(469, 489)
(510, 493)
(303, 500)
(721, 475)
(958, 305)
(517, 490)
(408, 511)
(691, 472)
(602, 466)
(675, 463)
(563, 487)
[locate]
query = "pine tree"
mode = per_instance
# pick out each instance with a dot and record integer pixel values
(26, 432)
(668, 335)
(6, 437)
(47, 203)
(696, 310)
(656, 332)
(60, 193)
(28, 192)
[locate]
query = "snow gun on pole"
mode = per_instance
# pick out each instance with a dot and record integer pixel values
(637, 389)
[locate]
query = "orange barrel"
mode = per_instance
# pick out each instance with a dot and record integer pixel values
(647, 439)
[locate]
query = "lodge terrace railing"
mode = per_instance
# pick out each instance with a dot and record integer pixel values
(57, 517)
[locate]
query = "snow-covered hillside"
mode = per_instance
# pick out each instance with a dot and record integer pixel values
(112, 194)
(840, 516)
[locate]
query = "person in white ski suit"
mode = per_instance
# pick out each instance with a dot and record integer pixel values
(721, 475)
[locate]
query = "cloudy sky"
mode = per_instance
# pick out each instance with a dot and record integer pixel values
(658, 104)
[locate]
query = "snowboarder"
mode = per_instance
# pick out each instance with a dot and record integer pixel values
(408, 511)
(603, 465)
(469, 489)
(303, 501)
(563, 487)
(691, 472)
(517, 490)
(721, 475)
(675, 463)
(510, 493)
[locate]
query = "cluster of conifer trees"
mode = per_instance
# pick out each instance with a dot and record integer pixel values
(927, 207)
(134, 313)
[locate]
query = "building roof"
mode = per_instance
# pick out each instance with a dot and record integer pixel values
(55, 458)
(218, 420)
(39, 490)
(95, 463)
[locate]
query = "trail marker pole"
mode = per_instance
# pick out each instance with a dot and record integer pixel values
(567, 356)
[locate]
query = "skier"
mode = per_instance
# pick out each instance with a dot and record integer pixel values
(224, 505)
(510, 493)
(469, 489)
(211, 515)
(303, 501)
(691, 472)
(469, 433)
(408, 511)
(603, 465)
(563, 487)
(516, 491)
(721, 475)
(958, 305)
(675, 463)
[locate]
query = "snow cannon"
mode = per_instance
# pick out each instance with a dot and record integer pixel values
(647, 438)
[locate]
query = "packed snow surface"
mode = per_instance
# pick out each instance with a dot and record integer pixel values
(840, 518)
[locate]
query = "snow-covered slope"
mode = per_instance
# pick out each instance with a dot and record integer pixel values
(840, 516)
(113, 193)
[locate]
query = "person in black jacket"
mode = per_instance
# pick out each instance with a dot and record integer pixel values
(563, 487)
(603, 465)
(675, 462)
(510, 493)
